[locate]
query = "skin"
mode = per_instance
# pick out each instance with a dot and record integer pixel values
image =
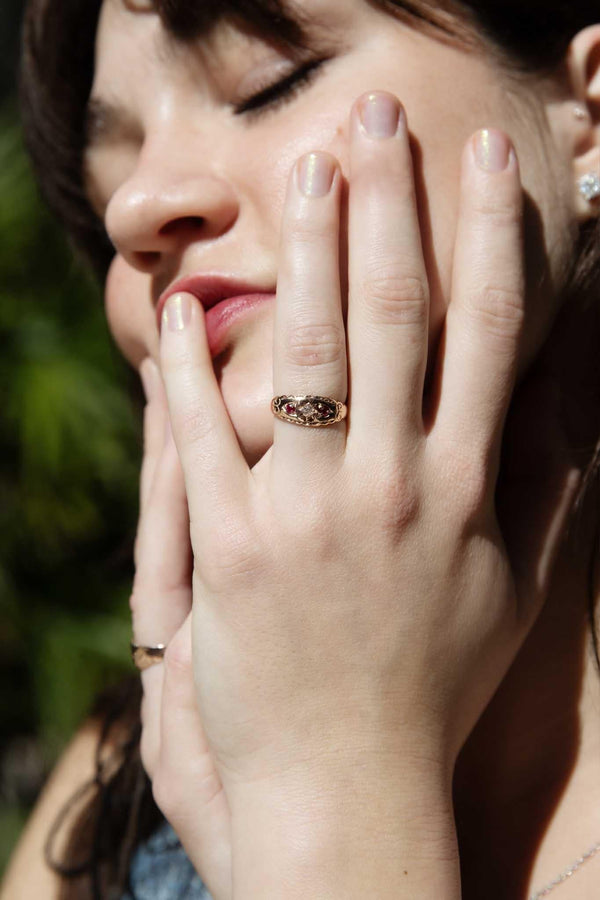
(243, 208)
(182, 158)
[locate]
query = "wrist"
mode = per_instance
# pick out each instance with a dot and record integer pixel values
(346, 837)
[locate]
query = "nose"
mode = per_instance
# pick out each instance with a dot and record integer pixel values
(169, 202)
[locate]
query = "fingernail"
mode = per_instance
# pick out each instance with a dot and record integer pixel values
(380, 115)
(315, 174)
(492, 150)
(149, 377)
(177, 313)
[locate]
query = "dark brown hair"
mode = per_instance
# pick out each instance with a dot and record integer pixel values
(530, 38)
(58, 65)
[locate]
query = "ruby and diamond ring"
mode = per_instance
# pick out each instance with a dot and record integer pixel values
(310, 411)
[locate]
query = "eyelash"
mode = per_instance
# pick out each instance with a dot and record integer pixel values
(281, 92)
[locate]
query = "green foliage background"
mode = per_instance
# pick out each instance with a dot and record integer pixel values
(69, 456)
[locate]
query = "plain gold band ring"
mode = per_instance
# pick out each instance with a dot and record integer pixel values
(144, 657)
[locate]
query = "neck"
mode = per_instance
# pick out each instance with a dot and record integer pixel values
(527, 784)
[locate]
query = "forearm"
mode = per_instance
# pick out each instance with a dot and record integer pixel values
(391, 840)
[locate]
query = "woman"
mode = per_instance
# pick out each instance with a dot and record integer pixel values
(392, 208)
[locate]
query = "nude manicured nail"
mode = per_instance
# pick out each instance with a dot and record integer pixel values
(380, 114)
(492, 150)
(315, 174)
(177, 313)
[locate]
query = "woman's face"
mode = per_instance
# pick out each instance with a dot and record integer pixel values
(189, 183)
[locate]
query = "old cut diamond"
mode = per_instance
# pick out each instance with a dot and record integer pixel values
(589, 186)
(307, 409)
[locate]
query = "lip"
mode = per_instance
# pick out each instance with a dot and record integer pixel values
(220, 318)
(223, 298)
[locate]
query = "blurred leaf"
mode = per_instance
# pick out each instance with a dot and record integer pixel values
(70, 453)
(12, 820)
(76, 660)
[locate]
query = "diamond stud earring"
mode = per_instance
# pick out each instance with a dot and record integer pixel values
(580, 113)
(589, 186)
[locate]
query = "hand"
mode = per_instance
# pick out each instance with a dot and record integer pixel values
(185, 782)
(354, 604)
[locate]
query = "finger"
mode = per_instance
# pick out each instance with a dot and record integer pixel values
(310, 343)
(161, 596)
(216, 473)
(187, 787)
(484, 322)
(155, 421)
(152, 684)
(388, 307)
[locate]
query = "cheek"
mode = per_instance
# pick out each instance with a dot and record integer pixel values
(130, 312)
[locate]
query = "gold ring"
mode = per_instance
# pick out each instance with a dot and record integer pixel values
(144, 657)
(310, 411)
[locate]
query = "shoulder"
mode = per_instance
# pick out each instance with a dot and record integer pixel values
(28, 875)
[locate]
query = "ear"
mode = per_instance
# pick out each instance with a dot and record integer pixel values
(583, 63)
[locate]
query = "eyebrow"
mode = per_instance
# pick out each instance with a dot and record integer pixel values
(104, 122)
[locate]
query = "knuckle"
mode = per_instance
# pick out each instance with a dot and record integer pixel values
(468, 483)
(312, 345)
(500, 210)
(398, 507)
(156, 580)
(393, 497)
(499, 310)
(311, 524)
(397, 298)
(237, 560)
(196, 425)
(135, 601)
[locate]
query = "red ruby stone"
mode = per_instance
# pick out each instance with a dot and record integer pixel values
(290, 409)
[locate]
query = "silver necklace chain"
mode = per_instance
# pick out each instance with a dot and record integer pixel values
(543, 892)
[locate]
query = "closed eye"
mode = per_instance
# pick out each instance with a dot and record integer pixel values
(281, 92)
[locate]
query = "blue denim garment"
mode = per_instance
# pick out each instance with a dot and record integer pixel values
(160, 870)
